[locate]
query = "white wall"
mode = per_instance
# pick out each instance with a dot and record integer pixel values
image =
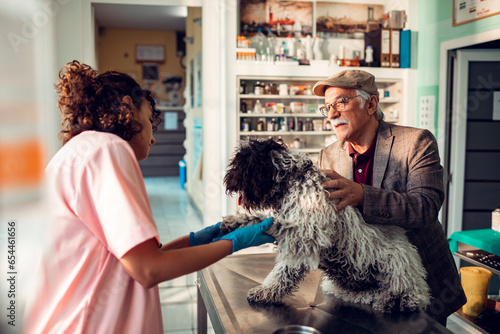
(28, 72)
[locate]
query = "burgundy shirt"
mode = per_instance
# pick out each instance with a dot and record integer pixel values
(362, 164)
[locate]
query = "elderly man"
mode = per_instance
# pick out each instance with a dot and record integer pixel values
(392, 174)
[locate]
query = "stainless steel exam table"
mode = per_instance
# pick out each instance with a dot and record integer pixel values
(223, 287)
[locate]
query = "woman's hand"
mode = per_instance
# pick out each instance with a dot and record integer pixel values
(205, 236)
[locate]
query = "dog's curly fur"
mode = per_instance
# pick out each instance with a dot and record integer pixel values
(362, 263)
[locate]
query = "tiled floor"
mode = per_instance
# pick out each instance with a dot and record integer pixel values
(175, 216)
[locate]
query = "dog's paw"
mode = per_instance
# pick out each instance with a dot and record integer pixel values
(260, 295)
(386, 302)
(412, 302)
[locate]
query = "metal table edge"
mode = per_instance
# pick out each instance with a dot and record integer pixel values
(209, 302)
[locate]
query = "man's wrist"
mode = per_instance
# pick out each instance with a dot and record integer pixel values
(361, 201)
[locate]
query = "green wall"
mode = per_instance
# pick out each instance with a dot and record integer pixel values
(435, 27)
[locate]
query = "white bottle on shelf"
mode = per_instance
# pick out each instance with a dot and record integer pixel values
(309, 48)
(369, 55)
(290, 44)
(283, 51)
(259, 42)
(301, 50)
(257, 108)
(272, 43)
(283, 125)
(318, 54)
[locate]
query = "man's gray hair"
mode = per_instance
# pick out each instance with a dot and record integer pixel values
(379, 115)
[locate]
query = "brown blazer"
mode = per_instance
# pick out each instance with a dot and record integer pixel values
(408, 191)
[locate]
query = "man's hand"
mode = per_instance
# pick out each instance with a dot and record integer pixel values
(347, 191)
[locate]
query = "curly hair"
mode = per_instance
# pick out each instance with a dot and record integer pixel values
(92, 101)
(251, 174)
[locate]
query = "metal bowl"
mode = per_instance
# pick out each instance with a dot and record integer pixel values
(296, 329)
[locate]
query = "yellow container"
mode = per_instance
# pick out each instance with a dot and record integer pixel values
(475, 281)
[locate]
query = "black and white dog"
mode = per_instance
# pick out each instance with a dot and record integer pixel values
(362, 263)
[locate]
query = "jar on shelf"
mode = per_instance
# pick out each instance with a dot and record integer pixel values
(243, 87)
(318, 125)
(271, 107)
(245, 125)
(243, 107)
(280, 108)
(273, 88)
(257, 107)
(272, 125)
(308, 125)
(300, 125)
(258, 88)
(283, 125)
(267, 89)
(299, 143)
(261, 125)
(328, 125)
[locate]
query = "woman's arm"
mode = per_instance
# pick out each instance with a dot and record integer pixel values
(180, 242)
(150, 265)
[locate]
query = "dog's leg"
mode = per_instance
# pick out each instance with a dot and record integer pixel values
(329, 286)
(410, 289)
(281, 281)
(407, 291)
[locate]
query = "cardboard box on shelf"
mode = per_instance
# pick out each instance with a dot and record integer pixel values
(493, 304)
(495, 220)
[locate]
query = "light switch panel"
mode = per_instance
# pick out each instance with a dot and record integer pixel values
(496, 106)
(428, 113)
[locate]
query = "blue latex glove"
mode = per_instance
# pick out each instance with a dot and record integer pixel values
(205, 236)
(249, 236)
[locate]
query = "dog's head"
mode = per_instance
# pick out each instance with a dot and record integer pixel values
(261, 171)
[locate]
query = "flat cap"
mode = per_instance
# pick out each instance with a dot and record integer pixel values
(355, 79)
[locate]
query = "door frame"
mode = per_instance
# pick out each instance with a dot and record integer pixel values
(218, 82)
(455, 191)
(459, 130)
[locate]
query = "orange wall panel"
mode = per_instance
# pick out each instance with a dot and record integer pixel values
(22, 164)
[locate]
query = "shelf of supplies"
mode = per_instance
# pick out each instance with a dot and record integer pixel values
(316, 71)
(300, 107)
(276, 96)
(484, 239)
(315, 115)
(476, 263)
(285, 133)
(469, 320)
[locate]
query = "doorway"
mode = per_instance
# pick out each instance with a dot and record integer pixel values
(147, 42)
(474, 139)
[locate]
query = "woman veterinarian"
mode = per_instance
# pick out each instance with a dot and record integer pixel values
(103, 258)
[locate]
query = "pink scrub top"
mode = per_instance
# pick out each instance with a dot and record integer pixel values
(99, 211)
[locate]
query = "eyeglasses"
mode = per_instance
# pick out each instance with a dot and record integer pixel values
(338, 105)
